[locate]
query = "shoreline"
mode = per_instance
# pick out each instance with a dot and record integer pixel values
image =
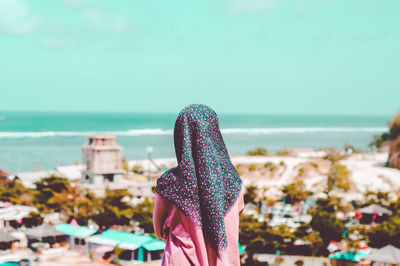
(271, 173)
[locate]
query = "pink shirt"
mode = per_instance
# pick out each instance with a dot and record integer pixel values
(185, 242)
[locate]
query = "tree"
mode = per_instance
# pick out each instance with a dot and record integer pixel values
(143, 214)
(338, 177)
(379, 140)
(386, 233)
(382, 198)
(329, 204)
(112, 210)
(333, 155)
(51, 194)
(251, 194)
(32, 220)
(306, 233)
(295, 192)
(251, 234)
(15, 192)
(328, 226)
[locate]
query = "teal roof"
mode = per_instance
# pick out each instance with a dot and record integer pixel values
(84, 232)
(76, 231)
(241, 249)
(349, 255)
(122, 237)
(154, 245)
(97, 239)
(127, 240)
(129, 246)
(67, 228)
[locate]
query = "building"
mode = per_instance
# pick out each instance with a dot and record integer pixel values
(103, 160)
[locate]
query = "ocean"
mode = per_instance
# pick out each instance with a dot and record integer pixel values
(41, 140)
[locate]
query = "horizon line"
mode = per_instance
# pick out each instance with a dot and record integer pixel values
(175, 113)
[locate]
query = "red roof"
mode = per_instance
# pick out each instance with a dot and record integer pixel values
(4, 173)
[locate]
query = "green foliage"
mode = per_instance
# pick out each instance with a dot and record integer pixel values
(251, 194)
(380, 140)
(53, 183)
(386, 233)
(381, 198)
(301, 172)
(333, 156)
(295, 192)
(282, 163)
(252, 167)
(328, 226)
(86, 207)
(283, 152)
(51, 194)
(268, 164)
(125, 164)
(238, 166)
(113, 210)
(329, 204)
(395, 206)
(257, 152)
(137, 168)
(15, 192)
(306, 233)
(143, 214)
(348, 146)
(338, 177)
(253, 235)
(32, 220)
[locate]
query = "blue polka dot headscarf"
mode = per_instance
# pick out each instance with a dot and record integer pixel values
(205, 184)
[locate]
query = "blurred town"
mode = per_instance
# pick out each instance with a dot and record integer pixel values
(303, 207)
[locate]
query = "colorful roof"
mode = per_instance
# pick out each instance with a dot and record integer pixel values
(241, 249)
(76, 231)
(350, 255)
(154, 245)
(127, 240)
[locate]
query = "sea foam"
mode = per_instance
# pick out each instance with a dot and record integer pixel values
(226, 131)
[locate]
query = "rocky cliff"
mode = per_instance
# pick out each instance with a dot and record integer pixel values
(394, 144)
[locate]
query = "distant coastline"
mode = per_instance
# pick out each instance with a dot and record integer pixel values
(44, 140)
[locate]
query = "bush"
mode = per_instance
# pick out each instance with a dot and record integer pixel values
(257, 152)
(328, 226)
(339, 176)
(251, 194)
(252, 167)
(386, 233)
(137, 168)
(295, 192)
(380, 140)
(268, 164)
(301, 172)
(284, 152)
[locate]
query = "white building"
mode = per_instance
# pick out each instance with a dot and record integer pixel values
(103, 160)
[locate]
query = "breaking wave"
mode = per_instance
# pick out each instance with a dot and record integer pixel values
(227, 131)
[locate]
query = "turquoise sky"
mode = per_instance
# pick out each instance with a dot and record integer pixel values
(238, 56)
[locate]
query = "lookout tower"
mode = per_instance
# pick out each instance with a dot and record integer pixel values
(103, 159)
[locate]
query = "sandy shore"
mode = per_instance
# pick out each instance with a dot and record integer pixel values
(367, 172)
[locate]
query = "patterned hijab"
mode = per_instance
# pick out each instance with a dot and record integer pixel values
(205, 184)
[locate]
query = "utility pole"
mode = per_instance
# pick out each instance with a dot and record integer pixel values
(149, 151)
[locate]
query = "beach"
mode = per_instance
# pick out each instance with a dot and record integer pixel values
(46, 140)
